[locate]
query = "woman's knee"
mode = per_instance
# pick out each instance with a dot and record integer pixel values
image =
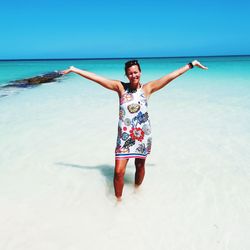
(139, 163)
(119, 173)
(120, 168)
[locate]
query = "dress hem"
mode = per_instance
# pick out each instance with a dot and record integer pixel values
(117, 157)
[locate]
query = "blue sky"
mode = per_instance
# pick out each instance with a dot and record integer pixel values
(97, 29)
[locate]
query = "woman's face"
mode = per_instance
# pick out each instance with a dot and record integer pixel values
(134, 74)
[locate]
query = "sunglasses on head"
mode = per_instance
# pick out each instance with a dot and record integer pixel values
(131, 63)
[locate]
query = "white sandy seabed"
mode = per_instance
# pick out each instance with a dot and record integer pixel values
(56, 188)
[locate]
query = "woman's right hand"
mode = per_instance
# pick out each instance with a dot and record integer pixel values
(198, 64)
(69, 70)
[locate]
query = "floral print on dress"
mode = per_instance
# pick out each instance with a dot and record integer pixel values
(149, 144)
(122, 113)
(137, 134)
(142, 118)
(127, 122)
(125, 136)
(127, 97)
(133, 108)
(146, 129)
(141, 148)
(122, 150)
(128, 143)
(134, 130)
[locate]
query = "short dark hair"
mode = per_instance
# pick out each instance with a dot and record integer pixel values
(130, 63)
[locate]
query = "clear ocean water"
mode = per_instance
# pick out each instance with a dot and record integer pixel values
(57, 145)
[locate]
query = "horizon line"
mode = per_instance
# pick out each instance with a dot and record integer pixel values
(114, 58)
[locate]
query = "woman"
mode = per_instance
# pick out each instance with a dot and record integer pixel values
(134, 131)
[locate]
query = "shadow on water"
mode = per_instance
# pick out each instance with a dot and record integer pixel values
(107, 171)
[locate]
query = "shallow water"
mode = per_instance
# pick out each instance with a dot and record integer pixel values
(57, 157)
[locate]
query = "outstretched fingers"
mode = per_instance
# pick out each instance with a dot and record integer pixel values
(67, 71)
(198, 64)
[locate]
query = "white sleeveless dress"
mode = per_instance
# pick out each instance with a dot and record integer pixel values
(134, 131)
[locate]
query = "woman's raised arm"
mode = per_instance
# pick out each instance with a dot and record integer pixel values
(156, 85)
(107, 83)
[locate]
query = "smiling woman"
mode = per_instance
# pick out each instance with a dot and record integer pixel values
(134, 138)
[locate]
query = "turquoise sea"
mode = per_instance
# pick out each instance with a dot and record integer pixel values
(57, 145)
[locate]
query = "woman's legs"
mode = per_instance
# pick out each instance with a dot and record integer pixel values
(120, 167)
(140, 171)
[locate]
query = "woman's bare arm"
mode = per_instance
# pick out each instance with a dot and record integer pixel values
(156, 85)
(107, 83)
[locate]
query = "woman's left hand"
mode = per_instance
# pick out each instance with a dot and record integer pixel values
(198, 64)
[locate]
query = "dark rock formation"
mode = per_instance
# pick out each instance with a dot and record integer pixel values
(34, 81)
